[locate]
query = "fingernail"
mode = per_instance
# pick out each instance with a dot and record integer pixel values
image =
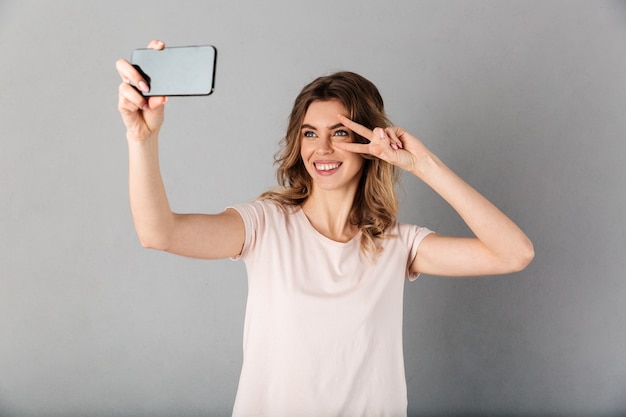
(382, 133)
(143, 86)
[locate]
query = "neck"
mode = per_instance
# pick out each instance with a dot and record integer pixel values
(329, 213)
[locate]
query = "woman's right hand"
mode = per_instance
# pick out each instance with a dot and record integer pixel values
(143, 116)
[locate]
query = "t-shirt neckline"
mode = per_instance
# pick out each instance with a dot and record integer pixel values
(315, 232)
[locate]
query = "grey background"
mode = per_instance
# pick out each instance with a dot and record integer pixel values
(524, 99)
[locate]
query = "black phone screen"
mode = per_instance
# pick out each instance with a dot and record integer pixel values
(177, 71)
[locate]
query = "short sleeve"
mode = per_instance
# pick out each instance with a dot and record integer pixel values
(416, 237)
(252, 216)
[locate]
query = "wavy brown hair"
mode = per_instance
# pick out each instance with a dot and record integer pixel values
(375, 205)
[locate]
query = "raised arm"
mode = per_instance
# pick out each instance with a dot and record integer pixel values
(208, 236)
(499, 245)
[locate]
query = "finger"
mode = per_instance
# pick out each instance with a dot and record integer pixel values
(379, 133)
(156, 44)
(130, 75)
(124, 69)
(385, 140)
(156, 101)
(395, 141)
(356, 128)
(130, 99)
(362, 148)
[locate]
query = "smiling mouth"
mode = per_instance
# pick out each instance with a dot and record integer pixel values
(327, 166)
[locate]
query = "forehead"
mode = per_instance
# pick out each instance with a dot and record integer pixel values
(324, 110)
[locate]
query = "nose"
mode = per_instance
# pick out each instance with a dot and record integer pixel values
(324, 146)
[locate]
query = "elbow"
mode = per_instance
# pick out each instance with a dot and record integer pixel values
(523, 257)
(152, 242)
(154, 234)
(147, 244)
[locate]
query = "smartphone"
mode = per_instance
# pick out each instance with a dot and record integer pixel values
(178, 70)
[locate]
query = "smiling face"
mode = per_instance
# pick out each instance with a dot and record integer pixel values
(329, 168)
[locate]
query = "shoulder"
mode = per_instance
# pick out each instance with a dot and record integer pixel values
(252, 207)
(408, 232)
(407, 236)
(259, 212)
(268, 225)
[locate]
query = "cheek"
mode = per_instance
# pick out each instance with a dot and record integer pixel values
(357, 160)
(306, 148)
(304, 155)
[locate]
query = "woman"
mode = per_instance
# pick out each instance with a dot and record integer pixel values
(325, 255)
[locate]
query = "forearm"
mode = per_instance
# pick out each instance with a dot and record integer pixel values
(495, 231)
(499, 245)
(150, 208)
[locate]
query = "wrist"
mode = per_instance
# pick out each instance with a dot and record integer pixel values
(141, 137)
(143, 146)
(426, 166)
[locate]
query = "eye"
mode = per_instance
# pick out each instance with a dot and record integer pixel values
(341, 134)
(308, 134)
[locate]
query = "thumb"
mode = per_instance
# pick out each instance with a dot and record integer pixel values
(155, 102)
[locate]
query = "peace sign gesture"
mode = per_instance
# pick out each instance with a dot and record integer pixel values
(391, 144)
(499, 246)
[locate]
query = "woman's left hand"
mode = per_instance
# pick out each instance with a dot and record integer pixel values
(500, 246)
(391, 144)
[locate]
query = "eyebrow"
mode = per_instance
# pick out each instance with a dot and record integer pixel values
(333, 127)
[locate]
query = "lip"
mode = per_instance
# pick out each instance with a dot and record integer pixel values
(325, 168)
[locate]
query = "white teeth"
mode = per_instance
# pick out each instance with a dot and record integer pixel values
(327, 167)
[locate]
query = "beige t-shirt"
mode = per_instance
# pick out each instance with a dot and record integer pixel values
(323, 324)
